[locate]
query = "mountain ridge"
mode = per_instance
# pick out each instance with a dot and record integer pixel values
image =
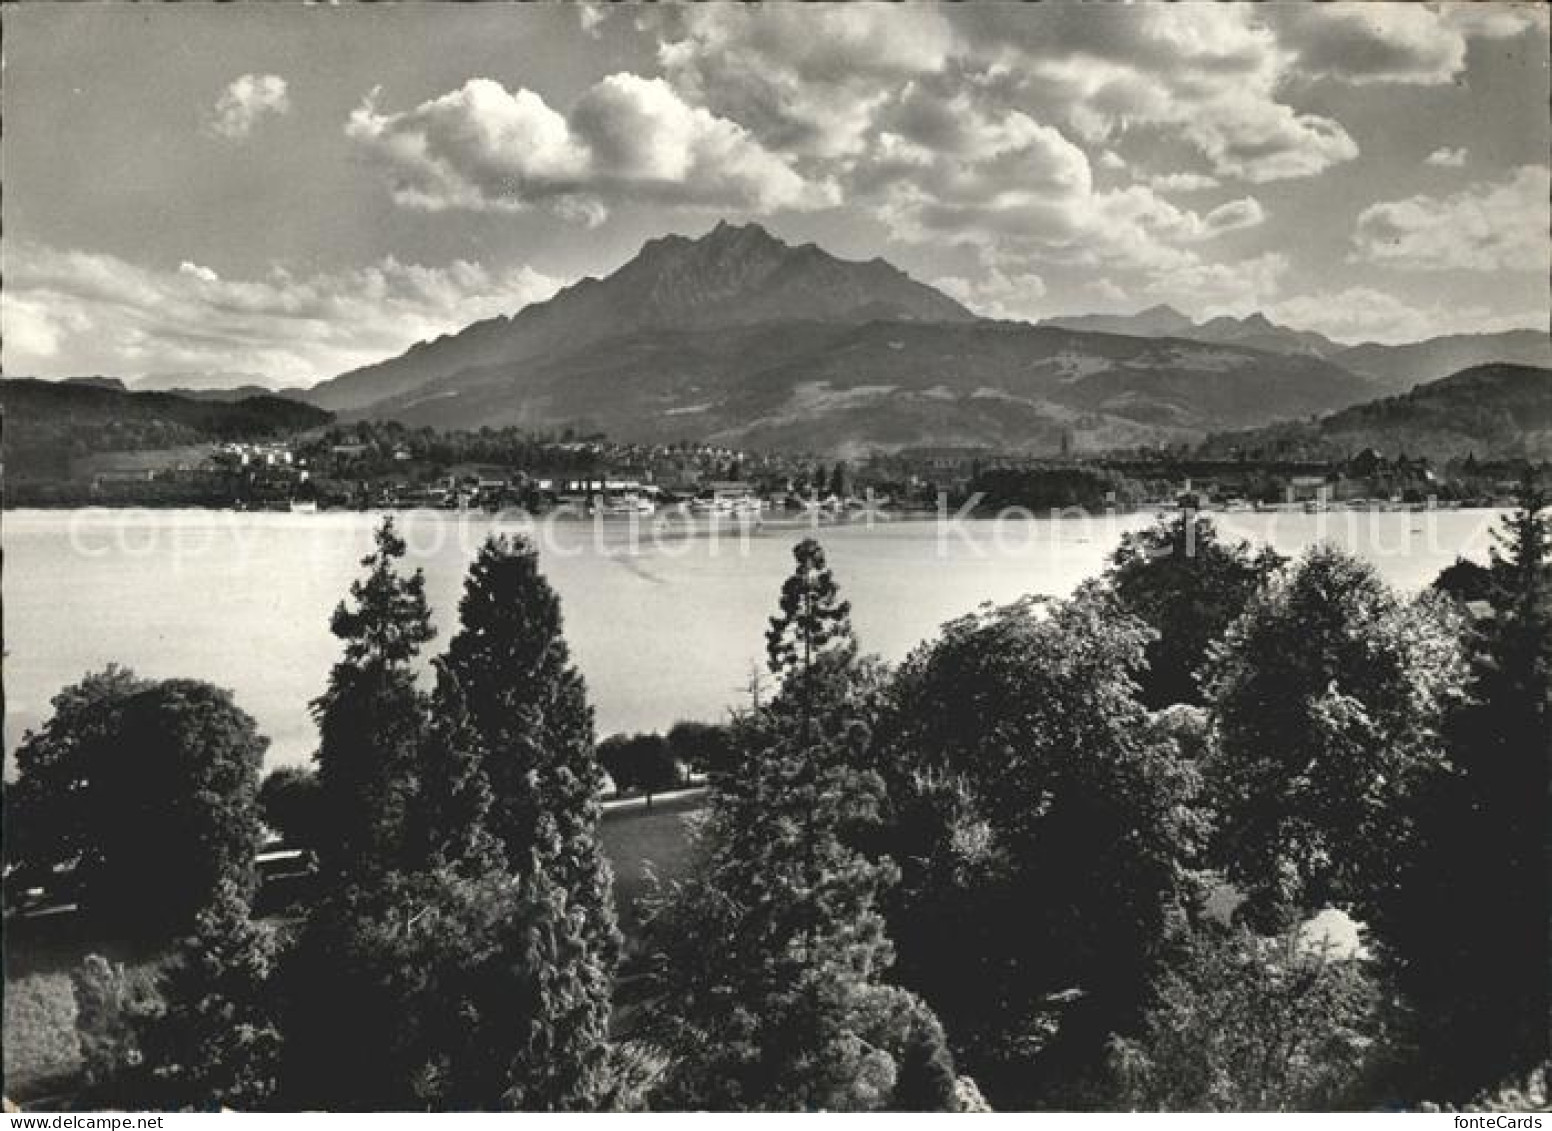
(733, 275)
(739, 337)
(1493, 411)
(1255, 330)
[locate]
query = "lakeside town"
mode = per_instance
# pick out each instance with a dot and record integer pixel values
(384, 466)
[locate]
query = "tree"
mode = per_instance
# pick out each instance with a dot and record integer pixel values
(146, 791)
(1326, 698)
(1245, 1023)
(1048, 829)
(49, 826)
(434, 990)
(530, 719)
(639, 761)
(214, 1041)
(1478, 976)
(839, 481)
(1464, 580)
(450, 825)
(705, 748)
(372, 716)
(769, 960)
(925, 1080)
(1186, 584)
(810, 641)
(111, 1000)
(472, 968)
(290, 801)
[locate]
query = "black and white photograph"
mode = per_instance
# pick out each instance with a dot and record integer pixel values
(916, 557)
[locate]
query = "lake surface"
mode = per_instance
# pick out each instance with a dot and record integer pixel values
(665, 623)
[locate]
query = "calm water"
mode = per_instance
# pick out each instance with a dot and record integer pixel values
(664, 627)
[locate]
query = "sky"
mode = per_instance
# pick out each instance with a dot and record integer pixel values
(283, 192)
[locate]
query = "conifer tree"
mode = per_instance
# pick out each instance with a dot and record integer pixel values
(810, 647)
(214, 1042)
(473, 969)
(371, 717)
(1483, 997)
(452, 811)
(770, 958)
(529, 715)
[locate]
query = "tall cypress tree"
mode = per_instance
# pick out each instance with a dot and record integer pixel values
(371, 717)
(770, 958)
(469, 966)
(452, 811)
(530, 717)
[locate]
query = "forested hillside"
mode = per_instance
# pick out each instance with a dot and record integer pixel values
(1493, 411)
(47, 423)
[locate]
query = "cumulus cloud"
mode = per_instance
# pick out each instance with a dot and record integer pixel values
(246, 100)
(1486, 227)
(1359, 314)
(1371, 43)
(1182, 182)
(485, 148)
(1446, 158)
(997, 295)
(806, 79)
(1261, 141)
(65, 312)
(1209, 75)
(1238, 286)
(815, 81)
(1418, 44)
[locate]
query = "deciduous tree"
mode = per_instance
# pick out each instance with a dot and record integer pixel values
(1188, 585)
(144, 793)
(1327, 700)
(1246, 1023)
(1047, 828)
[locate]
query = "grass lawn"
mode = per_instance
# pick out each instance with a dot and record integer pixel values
(42, 1057)
(634, 838)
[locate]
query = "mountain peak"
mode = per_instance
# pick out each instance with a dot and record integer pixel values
(726, 233)
(730, 276)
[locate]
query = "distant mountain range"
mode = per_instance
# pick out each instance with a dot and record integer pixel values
(1494, 411)
(1255, 331)
(1401, 367)
(228, 387)
(739, 337)
(1396, 367)
(199, 381)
